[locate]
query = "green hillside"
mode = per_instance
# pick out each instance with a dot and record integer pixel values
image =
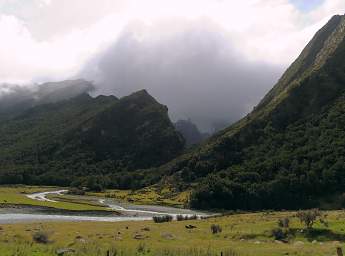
(104, 137)
(287, 153)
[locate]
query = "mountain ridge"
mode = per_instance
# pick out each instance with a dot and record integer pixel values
(57, 143)
(220, 164)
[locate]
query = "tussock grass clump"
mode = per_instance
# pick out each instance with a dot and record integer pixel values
(284, 223)
(41, 237)
(215, 229)
(161, 219)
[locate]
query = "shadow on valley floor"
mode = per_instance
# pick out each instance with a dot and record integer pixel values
(321, 235)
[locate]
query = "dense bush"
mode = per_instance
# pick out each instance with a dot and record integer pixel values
(279, 234)
(181, 217)
(161, 219)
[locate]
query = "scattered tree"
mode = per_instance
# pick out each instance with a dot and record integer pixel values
(309, 217)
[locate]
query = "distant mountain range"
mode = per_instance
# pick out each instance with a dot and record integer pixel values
(288, 153)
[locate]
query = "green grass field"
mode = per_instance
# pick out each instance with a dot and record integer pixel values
(16, 195)
(153, 195)
(243, 234)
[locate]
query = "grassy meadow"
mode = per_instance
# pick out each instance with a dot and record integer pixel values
(16, 195)
(152, 195)
(242, 234)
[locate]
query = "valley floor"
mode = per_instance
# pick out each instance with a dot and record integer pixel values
(17, 197)
(242, 234)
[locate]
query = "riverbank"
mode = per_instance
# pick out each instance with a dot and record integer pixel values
(30, 204)
(241, 235)
(16, 196)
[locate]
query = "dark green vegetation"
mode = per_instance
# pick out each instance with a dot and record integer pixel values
(85, 141)
(289, 152)
(190, 132)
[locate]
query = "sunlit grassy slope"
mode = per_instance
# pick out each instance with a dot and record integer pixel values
(245, 234)
(153, 195)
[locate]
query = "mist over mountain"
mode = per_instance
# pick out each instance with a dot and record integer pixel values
(289, 152)
(193, 69)
(15, 99)
(190, 132)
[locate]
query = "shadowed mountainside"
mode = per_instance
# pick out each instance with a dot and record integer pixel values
(69, 140)
(287, 153)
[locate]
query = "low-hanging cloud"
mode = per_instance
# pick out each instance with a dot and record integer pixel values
(212, 61)
(193, 68)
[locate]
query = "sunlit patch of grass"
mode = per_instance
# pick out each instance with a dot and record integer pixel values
(153, 195)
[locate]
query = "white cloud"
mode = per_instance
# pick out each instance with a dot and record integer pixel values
(45, 40)
(263, 29)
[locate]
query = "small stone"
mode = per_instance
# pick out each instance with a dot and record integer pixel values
(139, 236)
(298, 243)
(314, 242)
(62, 251)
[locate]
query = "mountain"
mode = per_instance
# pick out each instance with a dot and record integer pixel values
(190, 132)
(21, 98)
(66, 141)
(289, 152)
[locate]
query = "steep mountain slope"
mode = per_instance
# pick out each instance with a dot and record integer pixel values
(58, 143)
(190, 132)
(287, 153)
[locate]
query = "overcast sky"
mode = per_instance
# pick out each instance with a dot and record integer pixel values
(208, 60)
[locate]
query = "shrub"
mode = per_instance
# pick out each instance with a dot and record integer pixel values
(76, 191)
(215, 228)
(284, 223)
(279, 233)
(181, 217)
(41, 237)
(161, 219)
(309, 217)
